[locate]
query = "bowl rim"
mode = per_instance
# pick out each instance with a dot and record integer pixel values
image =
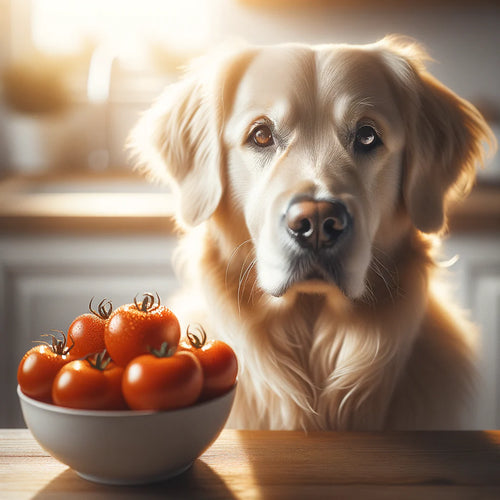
(116, 413)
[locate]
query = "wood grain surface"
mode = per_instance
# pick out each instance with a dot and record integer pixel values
(284, 465)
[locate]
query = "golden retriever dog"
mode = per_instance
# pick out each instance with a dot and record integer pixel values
(312, 183)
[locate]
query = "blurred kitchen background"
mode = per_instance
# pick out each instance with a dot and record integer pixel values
(77, 222)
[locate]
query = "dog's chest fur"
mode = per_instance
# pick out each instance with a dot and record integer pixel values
(303, 367)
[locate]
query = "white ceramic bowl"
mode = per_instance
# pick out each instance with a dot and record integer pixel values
(126, 447)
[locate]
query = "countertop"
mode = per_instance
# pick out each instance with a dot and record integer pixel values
(125, 203)
(284, 465)
(83, 204)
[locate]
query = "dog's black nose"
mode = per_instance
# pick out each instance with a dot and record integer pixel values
(317, 224)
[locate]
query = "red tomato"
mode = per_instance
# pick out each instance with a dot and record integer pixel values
(39, 367)
(135, 329)
(87, 330)
(163, 382)
(217, 359)
(90, 384)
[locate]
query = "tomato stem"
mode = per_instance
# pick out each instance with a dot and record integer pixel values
(58, 346)
(104, 308)
(163, 352)
(194, 340)
(148, 302)
(100, 360)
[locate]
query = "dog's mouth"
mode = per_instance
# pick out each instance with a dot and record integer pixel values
(311, 274)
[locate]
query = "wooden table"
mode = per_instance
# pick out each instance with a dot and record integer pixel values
(284, 465)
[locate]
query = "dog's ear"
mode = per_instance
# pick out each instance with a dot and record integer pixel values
(445, 137)
(179, 139)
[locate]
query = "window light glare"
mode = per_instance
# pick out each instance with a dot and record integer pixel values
(63, 26)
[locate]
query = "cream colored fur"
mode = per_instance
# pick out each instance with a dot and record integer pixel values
(377, 348)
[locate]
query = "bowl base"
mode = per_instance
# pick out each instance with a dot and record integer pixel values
(134, 481)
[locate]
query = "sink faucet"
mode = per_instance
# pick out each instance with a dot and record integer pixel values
(98, 95)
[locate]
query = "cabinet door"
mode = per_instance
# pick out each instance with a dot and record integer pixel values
(46, 282)
(477, 275)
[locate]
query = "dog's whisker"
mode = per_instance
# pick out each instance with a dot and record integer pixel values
(378, 268)
(248, 274)
(244, 270)
(253, 291)
(244, 279)
(369, 296)
(243, 275)
(389, 277)
(251, 295)
(232, 256)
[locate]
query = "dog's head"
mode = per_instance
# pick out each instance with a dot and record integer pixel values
(316, 154)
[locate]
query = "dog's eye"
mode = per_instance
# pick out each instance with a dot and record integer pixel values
(262, 136)
(366, 139)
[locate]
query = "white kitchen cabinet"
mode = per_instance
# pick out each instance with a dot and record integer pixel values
(476, 279)
(45, 282)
